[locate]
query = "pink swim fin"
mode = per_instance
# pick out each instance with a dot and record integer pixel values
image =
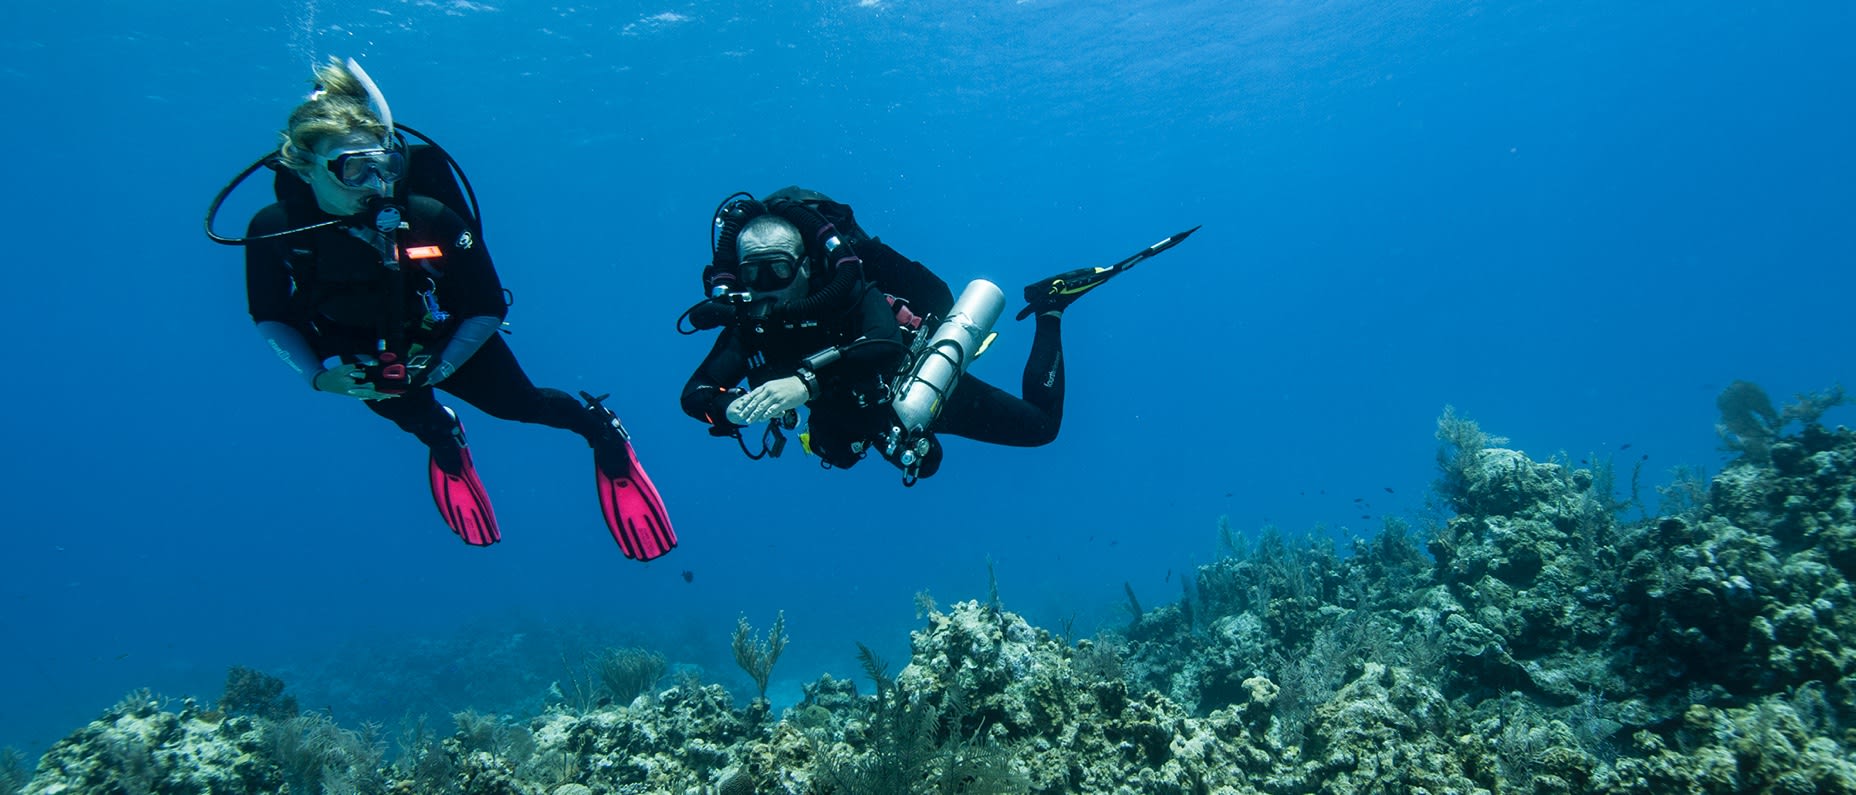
(633, 509)
(459, 495)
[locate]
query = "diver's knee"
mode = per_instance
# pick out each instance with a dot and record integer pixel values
(1044, 433)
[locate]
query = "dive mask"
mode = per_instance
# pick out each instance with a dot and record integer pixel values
(358, 168)
(769, 271)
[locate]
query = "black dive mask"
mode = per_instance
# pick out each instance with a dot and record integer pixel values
(769, 271)
(362, 168)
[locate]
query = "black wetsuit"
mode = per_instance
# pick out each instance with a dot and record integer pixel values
(853, 409)
(329, 288)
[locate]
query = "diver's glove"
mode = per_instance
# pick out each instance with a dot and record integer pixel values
(347, 379)
(769, 400)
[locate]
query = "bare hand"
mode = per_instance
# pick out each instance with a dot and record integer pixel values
(768, 400)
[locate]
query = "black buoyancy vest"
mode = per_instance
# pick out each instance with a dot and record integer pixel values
(429, 173)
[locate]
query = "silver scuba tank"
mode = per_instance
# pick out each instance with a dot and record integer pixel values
(919, 398)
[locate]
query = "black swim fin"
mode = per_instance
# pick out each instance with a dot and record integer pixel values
(1058, 292)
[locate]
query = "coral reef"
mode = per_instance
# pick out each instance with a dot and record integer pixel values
(140, 746)
(1543, 645)
(13, 773)
(757, 657)
(250, 692)
(627, 673)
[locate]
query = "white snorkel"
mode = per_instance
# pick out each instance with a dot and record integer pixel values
(381, 108)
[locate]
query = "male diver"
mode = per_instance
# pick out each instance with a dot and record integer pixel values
(369, 278)
(814, 313)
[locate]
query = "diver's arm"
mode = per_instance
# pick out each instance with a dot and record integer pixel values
(879, 348)
(714, 384)
(268, 287)
(471, 334)
(927, 293)
(293, 348)
(878, 323)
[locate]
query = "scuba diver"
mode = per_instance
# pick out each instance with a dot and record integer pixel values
(816, 313)
(369, 278)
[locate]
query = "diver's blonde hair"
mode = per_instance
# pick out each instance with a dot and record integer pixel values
(338, 107)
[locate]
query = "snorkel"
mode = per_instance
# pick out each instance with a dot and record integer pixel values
(379, 100)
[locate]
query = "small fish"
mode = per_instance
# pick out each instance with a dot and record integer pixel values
(1114, 542)
(689, 576)
(1169, 576)
(1624, 446)
(1227, 494)
(1359, 499)
(1366, 516)
(1646, 457)
(1389, 490)
(1581, 462)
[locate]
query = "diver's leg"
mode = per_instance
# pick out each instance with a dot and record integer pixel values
(983, 412)
(456, 491)
(986, 413)
(1043, 384)
(493, 381)
(418, 412)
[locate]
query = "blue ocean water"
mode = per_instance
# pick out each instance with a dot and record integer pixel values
(1575, 222)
